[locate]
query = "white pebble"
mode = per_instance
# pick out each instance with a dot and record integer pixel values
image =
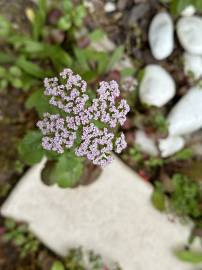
(157, 87)
(146, 144)
(109, 7)
(161, 36)
(189, 31)
(188, 11)
(186, 116)
(171, 145)
(193, 64)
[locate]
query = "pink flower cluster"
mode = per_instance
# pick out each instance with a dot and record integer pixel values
(88, 126)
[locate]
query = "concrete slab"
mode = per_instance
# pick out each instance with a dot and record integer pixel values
(113, 217)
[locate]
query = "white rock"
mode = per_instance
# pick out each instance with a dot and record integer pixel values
(171, 145)
(188, 11)
(109, 7)
(186, 116)
(147, 145)
(157, 87)
(193, 64)
(189, 31)
(114, 217)
(161, 36)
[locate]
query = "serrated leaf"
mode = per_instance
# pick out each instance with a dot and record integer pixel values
(30, 148)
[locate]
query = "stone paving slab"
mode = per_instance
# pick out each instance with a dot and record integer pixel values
(113, 216)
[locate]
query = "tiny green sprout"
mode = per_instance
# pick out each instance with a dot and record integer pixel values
(20, 236)
(160, 123)
(184, 154)
(136, 154)
(78, 259)
(73, 17)
(154, 162)
(158, 198)
(186, 198)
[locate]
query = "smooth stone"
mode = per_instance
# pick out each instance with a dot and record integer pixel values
(189, 31)
(113, 216)
(186, 116)
(171, 145)
(146, 144)
(109, 7)
(193, 65)
(157, 86)
(161, 36)
(188, 11)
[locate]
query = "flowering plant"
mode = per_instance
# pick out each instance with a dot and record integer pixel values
(86, 126)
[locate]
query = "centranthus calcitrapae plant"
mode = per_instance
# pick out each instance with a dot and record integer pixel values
(84, 126)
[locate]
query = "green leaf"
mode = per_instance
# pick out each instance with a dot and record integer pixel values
(189, 256)
(64, 23)
(39, 20)
(96, 35)
(10, 224)
(40, 103)
(15, 71)
(184, 154)
(158, 197)
(20, 239)
(67, 5)
(30, 148)
(5, 27)
(116, 56)
(31, 68)
(127, 72)
(81, 58)
(3, 72)
(80, 11)
(6, 58)
(103, 62)
(58, 56)
(177, 6)
(198, 5)
(57, 265)
(31, 46)
(66, 171)
(158, 200)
